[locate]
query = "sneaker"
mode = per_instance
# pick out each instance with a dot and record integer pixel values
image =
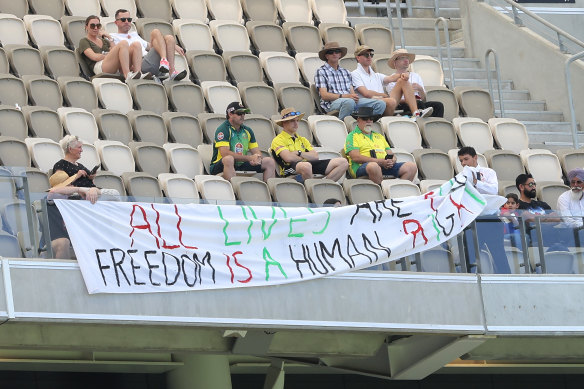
(133, 75)
(164, 66)
(147, 76)
(424, 112)
(177, 76)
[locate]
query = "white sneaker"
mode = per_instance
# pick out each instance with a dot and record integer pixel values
(147, 76)
(424, 112)
(133, 75)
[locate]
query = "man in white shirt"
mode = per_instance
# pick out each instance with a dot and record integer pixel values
(484, 178)
(157, 55)
(571, 203)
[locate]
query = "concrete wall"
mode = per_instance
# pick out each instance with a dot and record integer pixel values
(571, 23)
(530, 61)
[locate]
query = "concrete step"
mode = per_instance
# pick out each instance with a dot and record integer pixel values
(514, 94)
(505, 84)
(469, 73)
(457, 52)
(553, 138)
(521, 105)
(544, 116)
(409, 23)
(462, 63)
(547, 127)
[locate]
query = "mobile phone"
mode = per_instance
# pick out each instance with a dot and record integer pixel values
(94, 170)
(389, 156)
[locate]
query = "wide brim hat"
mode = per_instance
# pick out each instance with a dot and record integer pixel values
(288, 114)
(399, 53)
(60, 179)
(331, 46)
(362, 49)
(365, 112)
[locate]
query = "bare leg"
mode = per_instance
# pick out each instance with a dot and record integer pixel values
(170, 44)
(390, 104)
(304, 169)
(118, 59)
(269, 166)
(136, 56)
(404, 88)
(228, 167)
(158, 43)
(336, 168)
(374, 172)
(408, 171)
(60, 248)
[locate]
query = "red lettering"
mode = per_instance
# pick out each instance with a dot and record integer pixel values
(180, 233)
(419, 229)
(431, 195)
(243, 267)
(164, 245)
(145, 226)
(229, 266)
(458, 206)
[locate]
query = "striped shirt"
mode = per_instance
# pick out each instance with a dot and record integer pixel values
(335, 81)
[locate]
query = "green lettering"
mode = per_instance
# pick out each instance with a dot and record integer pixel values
(227, 243)
(270, 261)
(290, 234)
(328, 218)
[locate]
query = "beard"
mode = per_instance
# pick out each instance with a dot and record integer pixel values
(530, 193)
(576, 193)
(367, 128)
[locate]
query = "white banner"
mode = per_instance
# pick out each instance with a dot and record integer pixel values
(143, 247)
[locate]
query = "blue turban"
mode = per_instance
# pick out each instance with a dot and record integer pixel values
(576, 173)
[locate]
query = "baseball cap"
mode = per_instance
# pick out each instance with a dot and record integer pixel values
(237, 107)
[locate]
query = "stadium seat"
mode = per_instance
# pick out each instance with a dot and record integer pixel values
(38, 182)
(287, 191)
(12, 30)
(438, 133)
(113, 94)
(184, 159)
(24, 60)
(242, 66)
(59, 61)
(83, 7)
(251, 190)
(362, 191)
(506, 164)
(190, 9)
(433, 164)
(444, 96)
(113, 125)
(381, 66)
(266, 36)
(73, 28)
(52, 8)
(263, 129)
(144, 26)
(149, 158)
(279, 67)
(225, 10)
(115, 157)
(429, 69)
(12, 91)
(341, 33)
(4, 66)
(209, 123)
(436, 260)
(44, 30)
(542, 164)
(44, 152)
(303, 37)
(79, 122)
(148, 127)
(506, 187)
(230, 35)
(109, 180)
(570, 159)
(148, 95)
(178, 187)
(475, 102)
(297, 96)
(43, 122)
(78, 92)
(219, 94)
(550, 191)
(509, 134)
(402, 132)
(259, 98)
(427, 186)
(349, 62)
(474, 132)
(18, 8)
(90, 156)
(260, 10)
(206, 66)
(321, 189)
(329, 131)
(110, 7)
(294, 10)
(376, 36)
(183, 128)
(13, 152)
(193, 34)
(184, 96)
(308, 63)
(154, 9)
(141, 186)
(214, 188)
(43, 91)
(396, 188)
(329, 11)
(560, 262)
(13, 122)
(453, 154)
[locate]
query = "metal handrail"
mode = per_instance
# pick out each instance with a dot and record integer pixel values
(439, 47)
(399, 20)
(571, 97)
(490, 79)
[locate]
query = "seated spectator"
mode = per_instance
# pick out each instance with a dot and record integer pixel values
(571, 203)
(156, 56)
(335, 85)
(102, 55)
(509, 217)
(295, 155)
(332, 202)
(233, 140)
(407, 88)
(369, 153)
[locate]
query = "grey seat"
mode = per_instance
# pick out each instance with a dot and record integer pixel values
(438, 133)
(24, 59)
(13, 122)
(206, 66)
(433, 164)
(150, 158)
(243, 66)
(43, 91)
(183, 128)
(59, 61)
(106, 179)
(321, 189)
(266, 36)
(12, 91)
(78, 92)
(185, 96)
(13, 152)
(259, 98)
(362, 191)
(148, 95)
(113, 125)
(141, 186)
(43, 122)
(303, 37)
(148, 127)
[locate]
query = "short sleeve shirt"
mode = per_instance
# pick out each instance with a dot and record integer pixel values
(285, 141)
(371, 81)
(85, 44)
(337, 81)
(239, 141)
(414, 79)
(365, 143)
(535, 207)
(131, 37)
(71, 169)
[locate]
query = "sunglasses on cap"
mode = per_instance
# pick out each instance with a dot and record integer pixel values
(239, 113)
(125, 19)
(291, 114)
(367, 55)
(93, 25)
(334, 51)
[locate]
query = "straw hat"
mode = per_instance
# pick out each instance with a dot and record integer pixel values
(331, 46)
(288, 114)
(60, 179)
(399, 53)
(362, 49)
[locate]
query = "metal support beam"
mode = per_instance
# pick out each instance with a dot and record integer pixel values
(254, 343)
(418, 356)
(275, 376)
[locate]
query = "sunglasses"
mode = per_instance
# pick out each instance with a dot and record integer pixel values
(531, 184)
(367, 119)
(240, 113)
(334, 51)
(367, 55)
(93, 25)
(576, 182)
(290, 114)
(125, 19)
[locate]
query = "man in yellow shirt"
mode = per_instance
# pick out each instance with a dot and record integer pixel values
(369, 153)
(295, 155)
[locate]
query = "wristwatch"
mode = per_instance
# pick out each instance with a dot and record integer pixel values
(299, 153)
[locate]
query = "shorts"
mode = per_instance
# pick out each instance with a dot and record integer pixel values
(97, 67)
(318, 167)
(57, 227)
(393, 171)
(244, 167)
(151, 62)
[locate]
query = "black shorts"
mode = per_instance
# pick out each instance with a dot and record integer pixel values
(57, 227)
(318, 167)
(244, 167)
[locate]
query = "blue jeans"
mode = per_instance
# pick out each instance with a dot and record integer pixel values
(346, 106)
